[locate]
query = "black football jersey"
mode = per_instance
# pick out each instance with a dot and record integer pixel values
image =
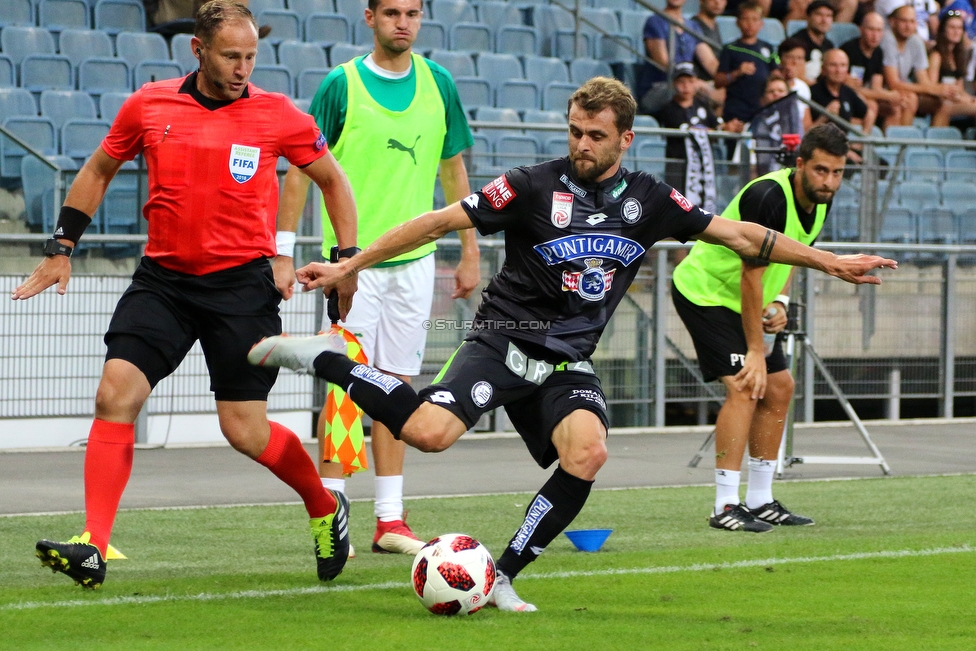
(571, 250)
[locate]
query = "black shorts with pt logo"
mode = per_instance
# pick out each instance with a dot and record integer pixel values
(163, 312)
(536, 395)
(720, 341)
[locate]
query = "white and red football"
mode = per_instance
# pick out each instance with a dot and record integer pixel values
(453, 575)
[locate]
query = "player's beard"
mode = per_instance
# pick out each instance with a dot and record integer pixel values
(813, 194)
(589, 168)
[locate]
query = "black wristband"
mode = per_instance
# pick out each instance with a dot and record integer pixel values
(71, 224)
(348, 253)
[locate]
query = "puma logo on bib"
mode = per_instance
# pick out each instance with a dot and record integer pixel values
(243, 162)
(393, 143)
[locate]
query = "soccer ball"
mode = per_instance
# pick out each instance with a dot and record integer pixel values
(453, 575)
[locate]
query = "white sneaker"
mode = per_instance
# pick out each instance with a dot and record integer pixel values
(296, 353)
(504, 597)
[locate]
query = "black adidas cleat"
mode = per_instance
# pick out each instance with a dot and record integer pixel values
(736, 517)
(776, 513)
(77, 558)
(331, 534)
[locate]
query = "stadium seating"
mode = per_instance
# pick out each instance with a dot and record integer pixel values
(538, 116)
(16, 12)
(58, 15)
(17, 101)
(309, 81)
(79, 44)
(327, 29)
(40, 72)
(97, 75)
(59, 106)
(117, 16)
(794, 26)
(470, 37)
(285, 25)
(8, 74)
(556, 95)
(772, 32)
(37, 180)
(266, 54)
(729, 31)
(298, 56)
(18, 42)
(342, 52)
(650, 157)
(543, 70)
(148, 71)
(473, 91)
(518, 39)
(497, 67)
(274, 79)
(582, 69)
(961, 165)
(37, 132)
(957, 196)
(898, 225)
(351, 9)
(493, 114)
(432, 36)
(937, 226)
(79, 138)
(513, 151)
(517, 94)
(923, 165)
(182, 53)
(306, 8)
(459, 64)
(109, 105)
(840, 33)
(134, 48)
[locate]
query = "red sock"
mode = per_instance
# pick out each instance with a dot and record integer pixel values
(290, 463)
(108, 464)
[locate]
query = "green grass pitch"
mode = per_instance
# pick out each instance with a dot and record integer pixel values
(891, 564)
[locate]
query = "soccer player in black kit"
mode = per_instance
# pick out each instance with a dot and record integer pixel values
(576, 231)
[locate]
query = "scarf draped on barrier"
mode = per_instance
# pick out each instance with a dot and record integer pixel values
(700, 171)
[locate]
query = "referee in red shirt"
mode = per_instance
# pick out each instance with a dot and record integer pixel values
(211, 142)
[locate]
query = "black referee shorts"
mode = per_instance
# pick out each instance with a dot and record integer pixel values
(163, 312)
(480, 377)
(719, 339)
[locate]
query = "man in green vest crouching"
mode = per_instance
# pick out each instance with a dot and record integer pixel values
(734, 307)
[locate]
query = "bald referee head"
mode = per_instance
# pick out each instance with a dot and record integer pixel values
(225, 40)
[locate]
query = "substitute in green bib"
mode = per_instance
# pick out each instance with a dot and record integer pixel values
(393, 120)
(735, 309)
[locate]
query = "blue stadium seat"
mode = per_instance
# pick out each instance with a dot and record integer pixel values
(543, 70)
(618, 5)
(792, 26)
(16, 12)
(257, 6)
(646, 121)
(18, 42)
(97, 75)
(520, 40)
(305, 8)
(729, 31)
(943, 133)
(539, 116)
(309, 81)
(898, 132)
(517, 94)
(109, 105)
(923, 165)
(182, 53)
(37, 180)
(556, 146)
(840, 33)
(351, 9)
(650, 157)
(120, 214)
(342, 52)
(632, 22)
(8, 73)
(917, 196)
(136, 47)
(961, 165)
(556, 95)
(116, 16)
(274, 79)
(772, 32)
(79, 44)
(149, 71)
(302, 104)
(266, 53)
(605, 34)
(471, 37)
(17, 101)
(450, 12)
(327, 29)
(497, 67)
(59, 15)
(59, 106)
(459, 64)
(493, 114)
(285, 25)
(513, 151)
(481, 161)
(37, 132)
(79, 138)
(297, 56)
(473, 91)
(46, 71)
(957, 196)
(617, 48)
(582, 69)
(494, 14)
(559, 32)
(900, 226)
(937, 226)
(363, 35)
(432, 36)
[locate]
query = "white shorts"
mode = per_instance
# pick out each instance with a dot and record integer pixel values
(388, 314)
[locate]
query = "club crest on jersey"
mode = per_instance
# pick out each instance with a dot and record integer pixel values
(498, 193)
(631, 211)
(582, 245)
(562, 209)
(680, 200)
(243, 162)
(591, 284)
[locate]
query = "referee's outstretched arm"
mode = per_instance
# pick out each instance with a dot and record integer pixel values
(754, 241)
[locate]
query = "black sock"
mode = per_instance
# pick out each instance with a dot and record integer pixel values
(556, 504)
(385, 398)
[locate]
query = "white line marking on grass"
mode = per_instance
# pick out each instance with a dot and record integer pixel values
(293, 592)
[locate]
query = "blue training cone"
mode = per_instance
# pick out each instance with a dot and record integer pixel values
(588, 540)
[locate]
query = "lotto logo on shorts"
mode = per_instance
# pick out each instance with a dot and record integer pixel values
(680, 200)
(243, 162)
(498, 193)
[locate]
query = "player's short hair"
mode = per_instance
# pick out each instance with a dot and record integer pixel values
(373, 4)
(828, 138)
(212, 15)
(749, 5)
(603, 92)
(790, 44)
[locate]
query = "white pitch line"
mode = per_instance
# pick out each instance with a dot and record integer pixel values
(293, 592)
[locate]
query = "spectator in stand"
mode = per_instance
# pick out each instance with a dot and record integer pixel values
(967, 10)
(832, 92)
(948, 63)
(906, 66)
(653, 87)
(776, 9)
(867, 74)
(820, 18)
(743, 68)
(704, 23)
(926, 15)
(685, 110)
(792, 59)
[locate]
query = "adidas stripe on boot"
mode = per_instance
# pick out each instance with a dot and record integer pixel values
(77, 558)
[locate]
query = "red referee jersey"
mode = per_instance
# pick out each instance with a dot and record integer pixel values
(213, 190)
